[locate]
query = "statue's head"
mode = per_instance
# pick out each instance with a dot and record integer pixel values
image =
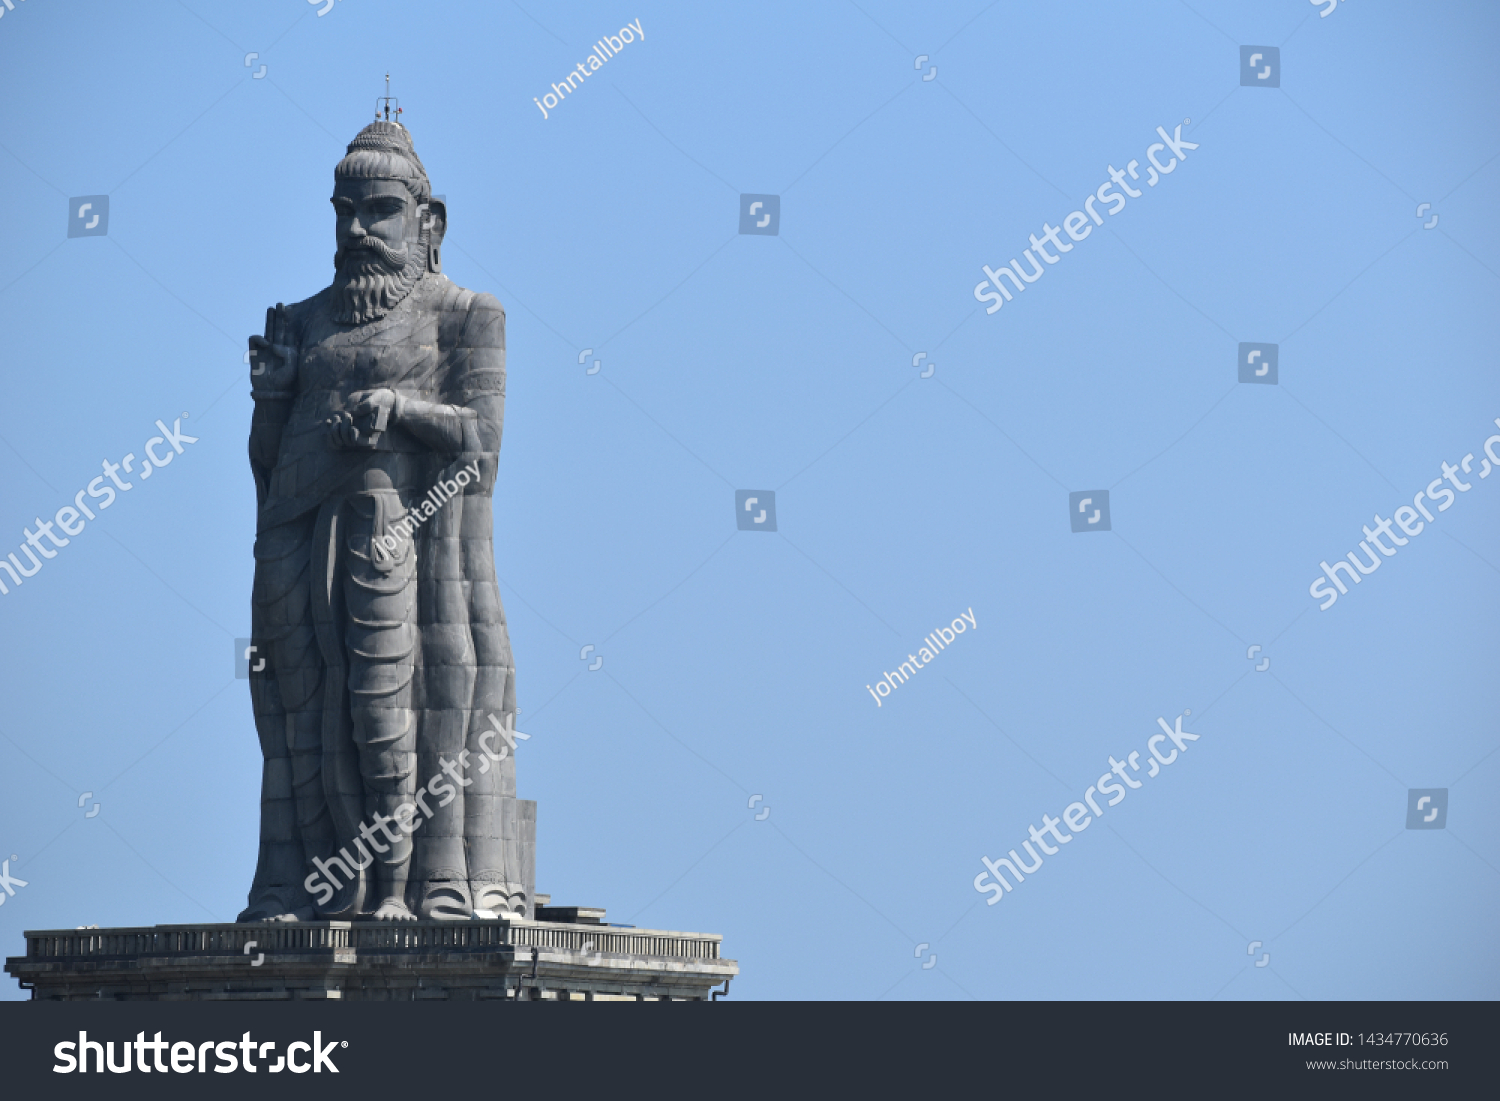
(390, 229)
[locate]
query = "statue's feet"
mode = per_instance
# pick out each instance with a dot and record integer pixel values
(273, 911)
(445, 900)
(393, 909)
(493, 899)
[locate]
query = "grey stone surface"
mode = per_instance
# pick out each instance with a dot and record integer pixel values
(385, 703)
(508, 959)
(396, 861)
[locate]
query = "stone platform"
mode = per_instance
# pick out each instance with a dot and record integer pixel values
(510, 959)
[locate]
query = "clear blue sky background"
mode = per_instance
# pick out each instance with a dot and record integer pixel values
(735, 663)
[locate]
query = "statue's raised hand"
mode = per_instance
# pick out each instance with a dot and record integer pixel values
(273, 360)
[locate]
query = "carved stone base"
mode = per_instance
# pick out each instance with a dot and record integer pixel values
(509, 959)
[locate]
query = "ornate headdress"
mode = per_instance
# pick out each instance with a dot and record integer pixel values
(384, 151)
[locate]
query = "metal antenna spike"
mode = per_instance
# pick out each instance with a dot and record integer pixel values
(387, 100)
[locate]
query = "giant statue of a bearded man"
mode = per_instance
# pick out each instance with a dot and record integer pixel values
(383, 684)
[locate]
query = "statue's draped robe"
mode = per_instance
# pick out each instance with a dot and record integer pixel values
(383, 665)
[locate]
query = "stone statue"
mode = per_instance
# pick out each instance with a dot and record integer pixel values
(384, 690)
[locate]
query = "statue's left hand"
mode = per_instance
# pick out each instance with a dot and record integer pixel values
(377, 405)
(368, 415)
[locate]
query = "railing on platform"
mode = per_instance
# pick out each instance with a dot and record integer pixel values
(313, 937)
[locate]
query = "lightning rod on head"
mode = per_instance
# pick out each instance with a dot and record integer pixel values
(388, 99)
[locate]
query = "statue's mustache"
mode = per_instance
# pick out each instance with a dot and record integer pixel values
(394, 258)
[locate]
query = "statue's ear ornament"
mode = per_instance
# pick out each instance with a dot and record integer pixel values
(434, 245)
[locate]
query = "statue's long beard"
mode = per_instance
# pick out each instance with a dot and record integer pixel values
(372, 278)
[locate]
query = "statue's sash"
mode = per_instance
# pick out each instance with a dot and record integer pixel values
(342, 783)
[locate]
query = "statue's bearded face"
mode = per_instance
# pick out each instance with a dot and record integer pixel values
(382, 248)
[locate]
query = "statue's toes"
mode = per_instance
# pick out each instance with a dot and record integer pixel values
(259, 914)
(446, 900)
(393, 911)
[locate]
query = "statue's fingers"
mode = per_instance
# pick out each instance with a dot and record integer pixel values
(280, 324)
(271, 323)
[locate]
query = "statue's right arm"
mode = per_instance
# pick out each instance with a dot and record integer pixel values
(273, 377)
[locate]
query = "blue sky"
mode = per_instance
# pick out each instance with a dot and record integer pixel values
(736, 662)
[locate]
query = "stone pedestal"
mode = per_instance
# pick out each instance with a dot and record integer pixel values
(507, 958)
